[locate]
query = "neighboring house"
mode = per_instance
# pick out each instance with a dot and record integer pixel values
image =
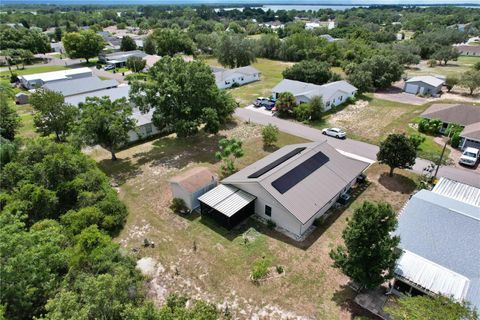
(274, 25)
(225, 78)
(145, 126)
(81, 85)
(333, 93)
(310, 25)
(292, 187)
(467, 116)
(329, 38)
(57, 47)
(427, 85)
(468, 50)
(439, 236)
(32, 81)
(458, 191)
(119, 59)
(190, 185)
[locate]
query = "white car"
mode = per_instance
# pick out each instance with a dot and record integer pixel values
(335, 132)
(469, 156)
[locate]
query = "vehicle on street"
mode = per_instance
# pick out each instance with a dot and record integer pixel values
(258, 102)
(335, 132)
(268, 105)
(469, 157)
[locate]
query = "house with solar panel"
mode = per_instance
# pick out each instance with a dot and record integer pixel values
(292, 187)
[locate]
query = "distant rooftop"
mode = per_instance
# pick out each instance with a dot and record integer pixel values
(79, 86)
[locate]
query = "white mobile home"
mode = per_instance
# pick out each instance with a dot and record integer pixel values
(226, 78)
(32, 81)
(333, 93)
(292, 187)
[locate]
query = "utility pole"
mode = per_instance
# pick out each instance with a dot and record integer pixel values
(443, 152)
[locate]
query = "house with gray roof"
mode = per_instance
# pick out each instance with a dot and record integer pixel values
(292, 187)
(439, 237)
(333, 93)
(145, 126)
(119, 59)
(80, 85)
(425, 85)
(226, 78)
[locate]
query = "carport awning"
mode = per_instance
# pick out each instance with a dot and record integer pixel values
(226, 199)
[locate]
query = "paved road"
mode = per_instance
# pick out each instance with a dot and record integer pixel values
(352, 146)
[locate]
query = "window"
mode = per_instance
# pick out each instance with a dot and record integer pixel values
(341, 98)
(148, 128)
(328, 103)
(241, 78)
(268, 211)
(227, 82)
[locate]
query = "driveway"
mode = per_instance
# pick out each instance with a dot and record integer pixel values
(359, 148)
(396, 94)
(261, 110)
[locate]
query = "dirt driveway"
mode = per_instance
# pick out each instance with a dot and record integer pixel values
(396, 94)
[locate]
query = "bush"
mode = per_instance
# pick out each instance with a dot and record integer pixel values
(271, 224)
(270, 135)
(431, 127)
(455, 140)
(235, 85)
(177, 205)
(302, 112)
(14, 78)
(259, 269)
(279, 269)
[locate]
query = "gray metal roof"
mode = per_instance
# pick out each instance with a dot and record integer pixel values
(79, 86)
(313, 192)
(445, 231)
(114, 94)
(453, 113)
(310, 90)
(458, 191)
(430, 80)
(226, 199)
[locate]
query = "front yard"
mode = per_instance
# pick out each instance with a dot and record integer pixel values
(218, 270)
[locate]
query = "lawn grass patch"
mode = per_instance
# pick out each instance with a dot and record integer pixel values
(452, 68)
(32, 70)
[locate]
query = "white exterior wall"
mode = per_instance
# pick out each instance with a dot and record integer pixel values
(179, 192)
(238, 78)
(141, 132)
(280, 215)
(422, 88)
(337, 99)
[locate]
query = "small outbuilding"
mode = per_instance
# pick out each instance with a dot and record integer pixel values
(21, 98)
(192, 184)
(424, 85)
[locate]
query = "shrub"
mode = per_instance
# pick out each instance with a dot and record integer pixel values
(302, 112)
(432, 63)
(235, 85)
(455, 140)
(14, 78)
(431, 127)
(450, 82)
(260, 269)
(270, 135)
(271, 224)
(279, 269)
(177, 205)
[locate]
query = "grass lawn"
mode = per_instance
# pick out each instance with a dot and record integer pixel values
(119, 70)
(271, 75)
(32, 70)
(453, 68)
(219, 268)
(27, 130)
(372, 119)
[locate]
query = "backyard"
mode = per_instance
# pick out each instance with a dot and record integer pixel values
(218, 268)
(453, 68)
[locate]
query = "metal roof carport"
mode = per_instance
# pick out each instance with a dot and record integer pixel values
(227, 205)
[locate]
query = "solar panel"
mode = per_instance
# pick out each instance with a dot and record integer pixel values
(300, 172)
(275, 163)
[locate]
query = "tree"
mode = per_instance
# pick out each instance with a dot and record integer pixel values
(127, 44)
(8, 150)
(424, 307)
(234, 50)
(383, 69)
(471, 80)
(52, 114)
(171, 41)
(407, 53)
(317, 108)
(9, 120)
(450, 82)
(369, 255)
(361, 79)
(285, 103)
(476, 66)
(397, 151)
(105, 122)
(270, 135)
(229, 150)
(184, 96)
(58, 34)
(416, 140)
(310, 71)
(84, 44)
(445, 54)
(136, 64)
(149, 45)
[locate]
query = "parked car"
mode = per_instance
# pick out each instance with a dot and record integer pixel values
(109, 67)
(258, 102)
(268, 105)
(469, 156)
(334, 132)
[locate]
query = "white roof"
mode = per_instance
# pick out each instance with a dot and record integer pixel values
(458, 191)
(433, 81)
(310, 90)
(226, 199)
(55, 75)
(431, 276)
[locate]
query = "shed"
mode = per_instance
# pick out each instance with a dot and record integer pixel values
(21, 98)
(424, 85)
(192, 184)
